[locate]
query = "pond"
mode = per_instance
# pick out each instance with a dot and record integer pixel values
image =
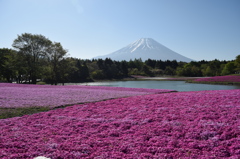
(175, 85)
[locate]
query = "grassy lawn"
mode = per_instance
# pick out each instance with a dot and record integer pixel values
(13, 112)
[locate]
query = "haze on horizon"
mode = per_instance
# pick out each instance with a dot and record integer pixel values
(200, 29)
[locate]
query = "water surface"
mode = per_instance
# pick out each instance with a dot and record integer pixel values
(175, 85)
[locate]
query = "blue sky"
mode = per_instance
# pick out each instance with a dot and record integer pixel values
(198, 29)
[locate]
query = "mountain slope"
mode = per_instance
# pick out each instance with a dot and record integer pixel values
(145, 48)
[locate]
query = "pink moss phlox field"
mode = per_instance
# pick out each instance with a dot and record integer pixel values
(219, 79)
(21, 95)
(203, 125)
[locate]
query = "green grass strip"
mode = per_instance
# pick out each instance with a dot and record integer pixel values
(14, 112)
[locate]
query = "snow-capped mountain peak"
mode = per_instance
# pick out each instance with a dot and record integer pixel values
(143, 43)
(145, 48)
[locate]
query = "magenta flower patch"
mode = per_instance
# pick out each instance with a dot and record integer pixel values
(202, 124)
(219, 79)
(19, 95)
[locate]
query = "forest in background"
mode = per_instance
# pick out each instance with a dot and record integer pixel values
(35, 58)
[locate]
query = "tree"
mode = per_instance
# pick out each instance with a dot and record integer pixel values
(169, 71)
(146, 70)
(81, 72)
(209, 72)
(84, 72)
(214, 67)
(150, 63)
(160, 65)
(33, 47)
(237, 64)
(98, 74)
(229, 68)
(124, 68)
(191, 69)
(65, 67)
(8, 61)
(55, 54)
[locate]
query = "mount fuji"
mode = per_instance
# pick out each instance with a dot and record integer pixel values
(145, 48)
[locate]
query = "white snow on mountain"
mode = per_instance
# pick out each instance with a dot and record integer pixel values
(145, 48)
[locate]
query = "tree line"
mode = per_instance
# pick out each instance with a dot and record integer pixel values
(36, 58)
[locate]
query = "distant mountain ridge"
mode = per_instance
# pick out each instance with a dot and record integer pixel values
(145, 48)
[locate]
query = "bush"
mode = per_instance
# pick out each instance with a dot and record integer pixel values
(41, 83)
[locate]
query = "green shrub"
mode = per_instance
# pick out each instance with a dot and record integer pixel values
(41, 83)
